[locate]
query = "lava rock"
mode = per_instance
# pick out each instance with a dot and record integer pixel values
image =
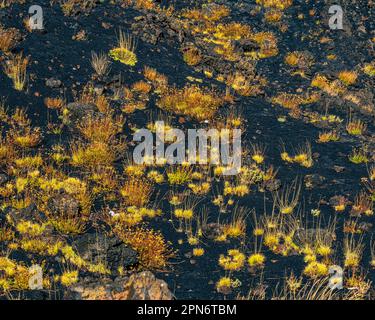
(339, 169)
(81, 7)
(314, 180)
(64, 205)
(212, 230)
(30, 213)
(98, 248)
(53, 83)
(272, 185)
(245, 45)
(139, 286)
(154, 27)
(99, 89)
(145, 286)
(78, 111)
(337, 200)
(3, 179)
(3, 219)
(365, 226)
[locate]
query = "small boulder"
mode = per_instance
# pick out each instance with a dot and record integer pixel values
(212, 230)
(30, 213)
(64, 205)
(247, 45)
(365, 226)
(53, 83)
(145, 286)
(3, 179)
(314, 180)
(271, 185)
(100, 248)
(78, 111)
(139, 286)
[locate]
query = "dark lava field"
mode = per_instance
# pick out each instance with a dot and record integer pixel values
(80, 219)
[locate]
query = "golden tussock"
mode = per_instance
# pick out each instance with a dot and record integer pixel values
(154, 252)
(15, 68)
(136, 191)
(101, 129)
(196, 102)
(54, 103)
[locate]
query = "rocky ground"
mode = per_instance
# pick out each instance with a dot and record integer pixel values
(303, 95)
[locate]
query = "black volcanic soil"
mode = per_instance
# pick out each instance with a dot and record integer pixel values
(54, 54)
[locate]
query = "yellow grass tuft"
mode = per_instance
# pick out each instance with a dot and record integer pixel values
(196, 102)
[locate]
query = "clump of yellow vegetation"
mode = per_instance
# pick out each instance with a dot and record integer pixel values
(362, 205)
(198, 252)
(279, 4)
(273, 15)
(315, 269)
(238, 190)
(220, 12)
(246, 86)
(358, 156)
(256, 260)
(145, 4)
(353, 250)
(237, 226)
(224, 285)
(234, 260)
(328, 136)
(192, 55)
(186, 214)
(222, 35)
(293, 102)
(102, 146)
(333, 88)
(21, 133)
(348, 77)
(136, 191)
(54, 103)
(267, 42)
(303, 155)
(180, 175)
(15, 68)
(131, 216)
(101, 129)
(289, 101)
(356, 127)
(69, 278)
(232, 31)
(287, 199)
(154, 252)
(194, 101)
(125, 50)
(160, 81)
(141, 87)
(369, 69)
(94, 154)
(299, 59)
(13, 276)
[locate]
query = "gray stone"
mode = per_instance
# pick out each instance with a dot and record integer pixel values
(53, 83)
(110, 250)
